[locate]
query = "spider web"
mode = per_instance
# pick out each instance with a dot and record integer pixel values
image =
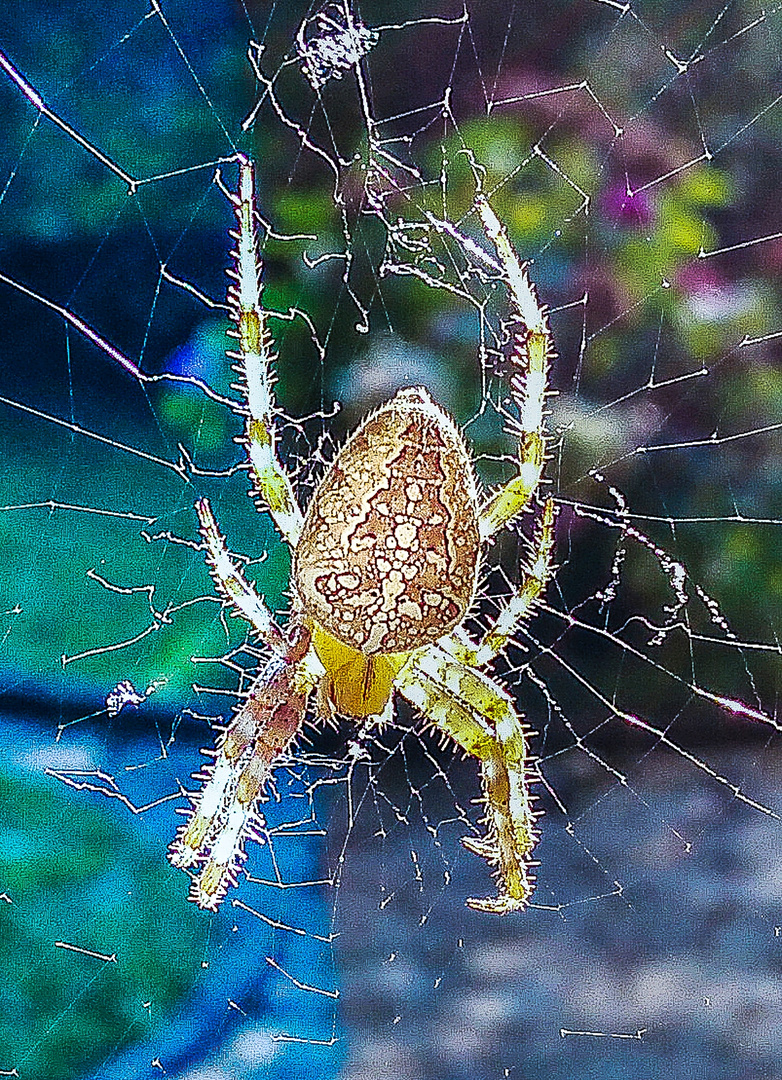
(630, 149)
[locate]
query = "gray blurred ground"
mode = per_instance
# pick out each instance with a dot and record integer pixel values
(652, 948)
(660, 955)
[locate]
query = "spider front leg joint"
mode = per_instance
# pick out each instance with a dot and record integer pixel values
(231, 583)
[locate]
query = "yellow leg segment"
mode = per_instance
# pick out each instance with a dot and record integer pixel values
(481, 718)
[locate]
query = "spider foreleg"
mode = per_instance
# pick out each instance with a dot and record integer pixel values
(480, 717)
(255, 359)
(530, 358)
(263, 728)
(232, 585)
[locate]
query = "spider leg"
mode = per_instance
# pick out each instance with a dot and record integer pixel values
(232, 585)
(480, 716)
(263, 728)
(532, 352)
(535, 575)
(255, 358)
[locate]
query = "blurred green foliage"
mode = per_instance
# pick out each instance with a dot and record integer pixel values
(60, 884)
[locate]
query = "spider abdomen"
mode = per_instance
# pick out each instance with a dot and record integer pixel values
(388, 556)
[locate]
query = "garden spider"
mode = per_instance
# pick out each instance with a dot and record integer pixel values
(385, 569)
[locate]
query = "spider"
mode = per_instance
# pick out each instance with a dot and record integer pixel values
(385, 569)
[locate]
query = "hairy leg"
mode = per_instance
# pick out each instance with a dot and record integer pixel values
(263, 728)
(254, 362)
(480, 716)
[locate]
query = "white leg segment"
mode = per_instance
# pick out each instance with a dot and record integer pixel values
(232, 584)
(255, 359)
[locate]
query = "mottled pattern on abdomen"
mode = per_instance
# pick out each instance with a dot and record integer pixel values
(388, 556)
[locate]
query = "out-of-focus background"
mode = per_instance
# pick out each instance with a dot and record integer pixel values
(632, 151)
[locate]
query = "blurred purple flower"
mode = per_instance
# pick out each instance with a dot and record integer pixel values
(626, 208)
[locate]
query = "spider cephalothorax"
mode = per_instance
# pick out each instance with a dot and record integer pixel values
(385, 567)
